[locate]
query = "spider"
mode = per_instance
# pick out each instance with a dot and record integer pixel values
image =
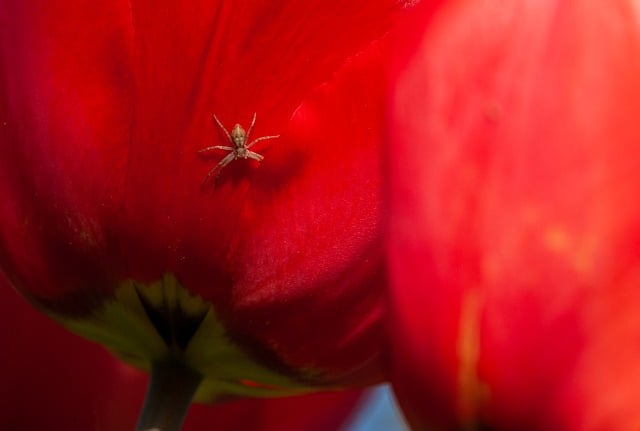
(240, 149)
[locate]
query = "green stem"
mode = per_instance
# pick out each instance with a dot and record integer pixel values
(171, 389)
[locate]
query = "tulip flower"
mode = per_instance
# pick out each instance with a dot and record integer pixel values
(514, 239)
(54, 380)
(223, 274)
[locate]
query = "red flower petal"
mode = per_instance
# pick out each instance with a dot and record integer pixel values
(313, 269)
(514, 248)
(316, 412)
(52, 379)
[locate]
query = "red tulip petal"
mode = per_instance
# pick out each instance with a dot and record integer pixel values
(66, 110)
(317, 412)
(514, 248)
(311, 266)
(54, 380)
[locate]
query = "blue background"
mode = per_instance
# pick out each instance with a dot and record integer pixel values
(378, 412)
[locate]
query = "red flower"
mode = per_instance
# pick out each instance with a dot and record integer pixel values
(515, 235)
(267, 281)
(56, 381)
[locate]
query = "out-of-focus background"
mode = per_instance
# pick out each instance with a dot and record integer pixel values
(378, 412)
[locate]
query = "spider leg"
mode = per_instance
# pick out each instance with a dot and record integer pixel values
(255, 156)
(251, 126)
(215, 147)
(226, 132)
(221, 164)
(262, 139)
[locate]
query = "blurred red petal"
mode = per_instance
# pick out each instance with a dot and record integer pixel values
(54, 380)
(515, 237)
(317, 412)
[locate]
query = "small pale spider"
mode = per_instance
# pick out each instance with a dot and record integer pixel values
(240, 149)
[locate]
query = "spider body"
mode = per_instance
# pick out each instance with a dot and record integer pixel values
(239, 150)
